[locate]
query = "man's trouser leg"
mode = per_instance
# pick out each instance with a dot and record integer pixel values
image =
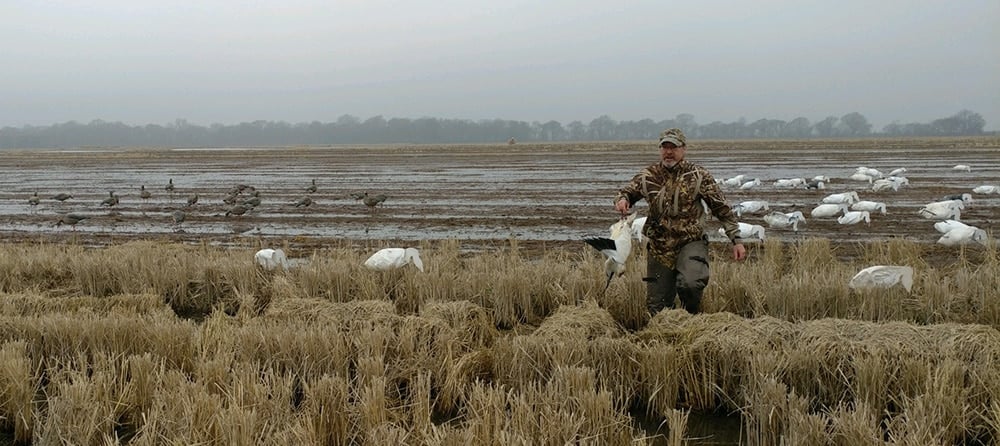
(692, 274)
(661, 285)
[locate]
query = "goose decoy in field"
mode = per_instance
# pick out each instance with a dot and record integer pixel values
(304, 202)
(616, 249)
(359, 195)
(734, 181)
(947, 225)
(238, 210)
(816, 184)
(962, 235)
(828, 210)
(192, 200)
(111, 201)
(143, 193)
(71, 219)
(962, 167)
(883, 276)
(897, 172)
(870, 206)
(986, 189)
(62, 196)
(749, 207)
(750, 184)
(747, 231)
(312, 187)
(253, 201)
(943, 210)
(780, 220)
(170, 186)
(33, 200)
(391, 258)
(964, 198)
(862, 177)
(844, 197)
(373, 201)
(271, 259)
(855, 217)
(178, 217)
(789, 182)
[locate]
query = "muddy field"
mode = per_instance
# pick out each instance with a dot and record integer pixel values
(543, 195)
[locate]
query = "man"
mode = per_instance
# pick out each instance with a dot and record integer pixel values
(677, 257)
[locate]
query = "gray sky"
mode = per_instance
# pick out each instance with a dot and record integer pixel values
(230, 61)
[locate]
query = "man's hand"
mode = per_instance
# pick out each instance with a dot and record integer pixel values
(622, 206)
(739, 251)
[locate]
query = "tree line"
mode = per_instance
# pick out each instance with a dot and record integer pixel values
(350, 129)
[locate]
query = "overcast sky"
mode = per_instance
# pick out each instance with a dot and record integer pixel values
(222, 61)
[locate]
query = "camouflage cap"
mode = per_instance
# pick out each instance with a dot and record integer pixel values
(674, 136)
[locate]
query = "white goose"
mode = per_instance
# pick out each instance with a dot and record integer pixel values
(271, 259)
(986, 189)
(883, 276)
(750, 184)
(616, 249)
(855, 217)
(947, 225)
(870, 206)
(391, 258)
(962, 167)
(781, 221)
(750, 207)
(828, 210)
(943, 210)
(845, 197)
(961, 236)
(897, 172)
(747, 231)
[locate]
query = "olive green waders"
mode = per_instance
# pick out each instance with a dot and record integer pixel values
(687, 281)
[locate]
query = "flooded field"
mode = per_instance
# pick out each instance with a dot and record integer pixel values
(549, 195)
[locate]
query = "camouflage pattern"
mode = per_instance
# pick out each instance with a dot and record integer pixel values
(676, 216)
(675, 136)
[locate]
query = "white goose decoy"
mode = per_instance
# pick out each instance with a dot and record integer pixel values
(637, 226)
(828, 210)
(883, 276)
(874, 173)
(986, 189)
(790, 182)
(391, 258)
(897, 172)
(963, 235)
(822, 178)
(855, 217)
(271, 259)
(870, 206)
(749, 207)
(750, 184)
(862, 177)
(964, 198)
(947, 225)
(747, 231)
(962, 167)
(616, 249)
(781, 221)
(845, 198)
(734, 181)
(943, 210)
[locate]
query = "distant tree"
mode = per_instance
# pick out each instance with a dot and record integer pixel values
(552, 131)
(964, 122)
(797, 128)
(827, 128)
(577, 131)
(603, 128)
(855, 125)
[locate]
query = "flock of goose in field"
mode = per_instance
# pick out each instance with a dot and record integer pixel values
(847, 207)
(241, 199)
(850, 209)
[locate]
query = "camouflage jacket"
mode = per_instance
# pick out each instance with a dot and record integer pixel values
(676, 215)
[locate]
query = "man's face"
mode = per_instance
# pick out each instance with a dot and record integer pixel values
(670, 154)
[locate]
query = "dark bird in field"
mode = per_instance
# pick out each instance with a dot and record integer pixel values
(62, 196)
(815, 184)
(312, 188)
(231, 198)
(192, 200)
(111, 201)
(372, 201)
(238, 210)
(33, 200)
(71, 219)
(304, 202)
(143, 193)
(253, 201)
(178, 217)
(359, 195)
(170, 186)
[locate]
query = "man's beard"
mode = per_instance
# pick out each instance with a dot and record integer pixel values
(670, 163)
